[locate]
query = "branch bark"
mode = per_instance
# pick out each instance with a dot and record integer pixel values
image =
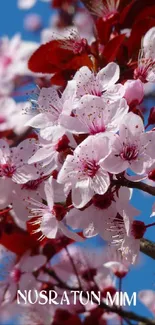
(147, 247)
(138, 185)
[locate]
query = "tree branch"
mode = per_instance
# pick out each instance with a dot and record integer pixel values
(147, 247)
(138, 185)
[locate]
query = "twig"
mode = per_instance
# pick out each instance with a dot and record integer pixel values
(147, 247)
(138, 185)
(74, 267)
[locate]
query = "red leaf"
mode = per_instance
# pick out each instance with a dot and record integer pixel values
(111, 50)
(18, 241)
(49, 58)
(147, 12)
(136, 8)
(104, 30)
(125, 11)
(138, 31)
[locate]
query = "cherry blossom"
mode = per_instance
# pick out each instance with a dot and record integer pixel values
(132, 148)
(102, 84)
(50, 108)
(48, 221)
(146, 61)
(19, 274)
(84, 172)
(94, 115)
(14, 54)
(14, 167)
(11, 116)
(51, 154)
(96, 218)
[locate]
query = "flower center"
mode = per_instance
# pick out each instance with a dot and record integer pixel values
(145, 66)
(103, 201)
(7, 170)
(129, 152)
(90, 168)
(138, 229)
(62, 144)
(59, 211)
(32, 185)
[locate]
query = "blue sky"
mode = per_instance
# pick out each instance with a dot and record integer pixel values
(142, 276)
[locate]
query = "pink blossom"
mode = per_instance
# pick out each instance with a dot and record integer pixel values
(47, 220)
(99, 217)
(94, 115)
(146, 62)
(14, 161)
(102, 84)
(50, 153)
(50, 108)
(14, 168)
(132, 148)
(19, 273)
(83, 171)
(14, 54)
(11, 117)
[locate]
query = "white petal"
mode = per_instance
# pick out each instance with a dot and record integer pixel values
(25, 174)
(82, 193)
(40, 121)
(69, 233)
(49, 225)
(49, 192)
(109, 75)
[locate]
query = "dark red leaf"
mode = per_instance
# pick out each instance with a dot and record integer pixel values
(138, 31)
(111, 50)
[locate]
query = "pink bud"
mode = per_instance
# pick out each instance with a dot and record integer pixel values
(134, 92)
(32, 22)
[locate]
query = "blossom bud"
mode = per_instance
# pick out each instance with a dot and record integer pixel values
(151, 119)
(134, 92)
